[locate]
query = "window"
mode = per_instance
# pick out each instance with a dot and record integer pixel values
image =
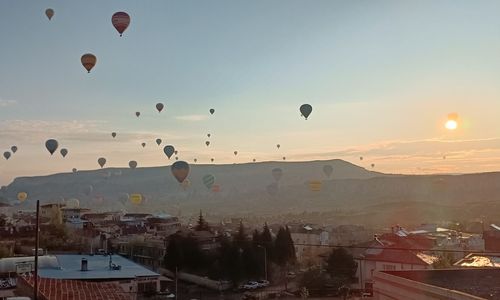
(388, 267)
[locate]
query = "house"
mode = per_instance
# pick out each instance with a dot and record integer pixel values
(73, 212)
(390, 252)
(492, 238)
(463, 284)
(51, 213)
(310, 244)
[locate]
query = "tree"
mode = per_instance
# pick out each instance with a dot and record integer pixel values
(202, 225)
(173, 256)
(266, 240)
(315, 282)
(284, 248)
(341, 266)
(444, 261)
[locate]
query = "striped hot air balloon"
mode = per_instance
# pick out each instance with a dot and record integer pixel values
(120, 21)
(315, 185)
(209, 180)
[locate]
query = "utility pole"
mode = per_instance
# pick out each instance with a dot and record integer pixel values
(37, 245)
(176, 290)
(265, 259)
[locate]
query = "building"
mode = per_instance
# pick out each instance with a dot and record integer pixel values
(492, 238)
(310, 244)
(73, 212)
(460, 284)
(148, 251)
(51, 213)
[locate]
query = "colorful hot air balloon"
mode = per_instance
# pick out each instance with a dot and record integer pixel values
(88, 61)
(64, 152)
(6, 155)
(305, 110)
(113, 134)
(328, 170)
(208, 180)
(120, 21)
(158, 142)
(207, 143)
(137, 113)
(277, 173)
(49, 12)
(212, 111)
(136, 199)
(22, 196)
(101, 161)
(159, 107)
(180, 170)
(169, 150)
(13, 149)
(132, 164)
(143, 145)
(315, 185)
(51, 146)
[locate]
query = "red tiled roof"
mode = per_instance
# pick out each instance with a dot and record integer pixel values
(58, 289)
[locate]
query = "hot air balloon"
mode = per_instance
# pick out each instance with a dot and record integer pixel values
(132, 164)
(158, 142)
(305, 110)
(143, 145)
(235, 152)
(315, 185)
(209, 135)
(88, 190)
(101, 161)
(272, 189)
(180, 170)
(169, 150)
(328, 170)
(13, 149)
(207, 143)
(278, 146)
(212, 159)
(159, 107)
(136, 199)
(216, 188)
(284, 157)
(113, 134)
(51, 146)
(212, 111)
(277, 173)
(361, 158)
(22, 196)
(120, 21)
(175, 152)
(74, 170)
(195, 160)
(49, 12)
(88, 61)
(64, 152)
(176, 158)
(7, 155)
(254, 160)
(208, 180)
(373, 165)
(137, 113)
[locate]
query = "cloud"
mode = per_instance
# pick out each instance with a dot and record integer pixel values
(192, 118)
(5, 103)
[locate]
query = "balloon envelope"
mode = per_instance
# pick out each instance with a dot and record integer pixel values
(120, 21)
(207, 143)
(88, 61)
(137, 113)
(64, 152)
(277, 173)
(159, 107)
(305, 110)
(212, 111)
(158, 142)
(143, 145)
(49, 12)
(113, 134)
(328, 170)
(169, 150)
(13, 149)
(6, 155)
(51, 146)
(180, 170)
(132, 164)
(136, 199)
(235, 152)
(22, 196)
(101, 161)
(209, 180)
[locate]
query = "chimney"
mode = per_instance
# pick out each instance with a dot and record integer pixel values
(84, 265)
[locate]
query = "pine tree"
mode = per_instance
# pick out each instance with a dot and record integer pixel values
(202, 225)
(292, 257)
(267, 241)
(173, 256)
(341, 265)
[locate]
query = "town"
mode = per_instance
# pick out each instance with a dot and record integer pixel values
(119, 255)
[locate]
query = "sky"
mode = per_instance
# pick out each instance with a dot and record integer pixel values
(382, 77)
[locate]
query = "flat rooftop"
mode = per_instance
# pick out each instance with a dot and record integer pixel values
(69, 267)
(480, 282)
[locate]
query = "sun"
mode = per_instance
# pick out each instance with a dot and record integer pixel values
(451, 125)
